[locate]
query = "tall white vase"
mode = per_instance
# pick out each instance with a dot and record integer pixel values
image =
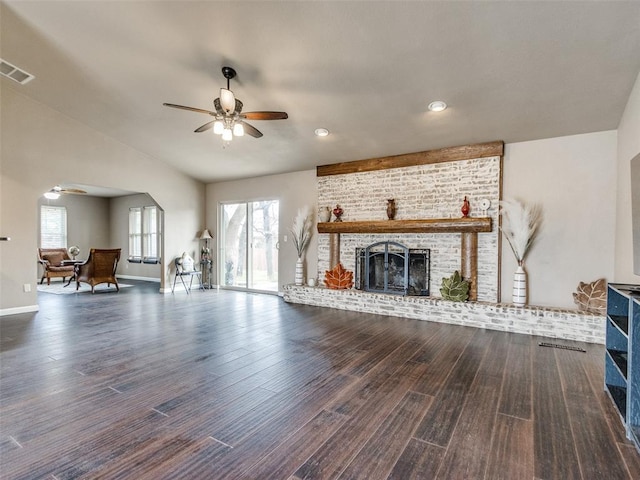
(299, 278)
(520, 287)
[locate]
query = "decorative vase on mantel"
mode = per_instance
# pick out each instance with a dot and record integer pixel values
(466, 208)
(338, 211)
(299, 277)
(324, 214)
(520, 286)
(391, 208)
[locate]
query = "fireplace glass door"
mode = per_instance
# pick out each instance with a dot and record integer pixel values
(387, 268)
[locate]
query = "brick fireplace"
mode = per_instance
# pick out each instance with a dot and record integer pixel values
(427, 186)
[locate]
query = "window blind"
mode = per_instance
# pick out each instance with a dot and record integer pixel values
(53, 227)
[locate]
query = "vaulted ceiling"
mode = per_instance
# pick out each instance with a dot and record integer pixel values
(511, 71)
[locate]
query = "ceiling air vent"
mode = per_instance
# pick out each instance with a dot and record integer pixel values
(14, 73)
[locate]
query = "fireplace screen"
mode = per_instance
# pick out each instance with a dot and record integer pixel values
(389, 267)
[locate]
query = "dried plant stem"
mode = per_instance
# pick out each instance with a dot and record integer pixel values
(520, 226)
(301, 230)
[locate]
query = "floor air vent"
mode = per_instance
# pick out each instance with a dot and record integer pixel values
(14, 73)
(563, 347)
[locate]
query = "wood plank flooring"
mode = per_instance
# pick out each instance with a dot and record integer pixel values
(227, 385)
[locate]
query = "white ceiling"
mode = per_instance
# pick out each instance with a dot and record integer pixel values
(511, 71)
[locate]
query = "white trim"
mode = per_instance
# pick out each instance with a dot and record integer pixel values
(16, 310)
(135, 277)
(165, 290)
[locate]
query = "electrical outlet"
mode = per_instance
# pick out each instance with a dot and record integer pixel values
(286, 237)
(26, 287)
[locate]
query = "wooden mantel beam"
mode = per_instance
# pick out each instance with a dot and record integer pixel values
(431, 225)
(450, 154)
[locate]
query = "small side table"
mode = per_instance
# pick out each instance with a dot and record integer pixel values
(206, 266)
(74, 263)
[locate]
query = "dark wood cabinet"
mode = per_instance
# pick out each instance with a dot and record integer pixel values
(622, 358)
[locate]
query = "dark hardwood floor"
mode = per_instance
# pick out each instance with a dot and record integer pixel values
(138, 385)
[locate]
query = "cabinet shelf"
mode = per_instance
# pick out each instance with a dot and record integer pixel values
(622, 322)
(619, 397)
(620, 360)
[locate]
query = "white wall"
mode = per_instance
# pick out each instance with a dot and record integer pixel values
(574, 180)
(40, 148)
(293, 190)
(628, 148)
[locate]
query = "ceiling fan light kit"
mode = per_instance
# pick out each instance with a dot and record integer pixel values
(229, 120)
(238, 130)
(51, 195)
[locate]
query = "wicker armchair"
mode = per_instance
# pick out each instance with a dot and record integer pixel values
(53, 264)
(100, 267)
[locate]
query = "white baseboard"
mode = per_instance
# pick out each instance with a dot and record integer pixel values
(16, 310)
(134, 277)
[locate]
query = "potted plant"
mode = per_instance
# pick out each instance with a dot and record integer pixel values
(520, 226)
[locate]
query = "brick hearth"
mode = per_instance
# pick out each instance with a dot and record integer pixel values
(543, 321)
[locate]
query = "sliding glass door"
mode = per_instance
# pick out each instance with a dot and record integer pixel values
(248, 245)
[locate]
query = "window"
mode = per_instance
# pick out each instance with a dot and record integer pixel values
(144, 235)
(135, 234)
(53, 227)
(150, 232)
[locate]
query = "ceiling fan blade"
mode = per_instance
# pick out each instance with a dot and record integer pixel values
(205, 127)
(251, 130)
(76, 191)
(191, 109)
(265, 115)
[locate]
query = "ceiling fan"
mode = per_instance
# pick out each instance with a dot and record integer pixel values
(229, 119)
(57, 190)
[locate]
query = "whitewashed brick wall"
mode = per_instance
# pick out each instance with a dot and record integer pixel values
(543, 321)
(421, 192)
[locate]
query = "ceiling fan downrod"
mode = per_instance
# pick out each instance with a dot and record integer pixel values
(228, 73)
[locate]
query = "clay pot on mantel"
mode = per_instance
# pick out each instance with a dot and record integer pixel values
(391, 208)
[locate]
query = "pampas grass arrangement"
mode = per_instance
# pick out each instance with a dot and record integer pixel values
(520, 226)
(301, 230)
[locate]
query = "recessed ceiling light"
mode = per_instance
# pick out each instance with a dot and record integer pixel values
(437, 106)
(321, 132)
